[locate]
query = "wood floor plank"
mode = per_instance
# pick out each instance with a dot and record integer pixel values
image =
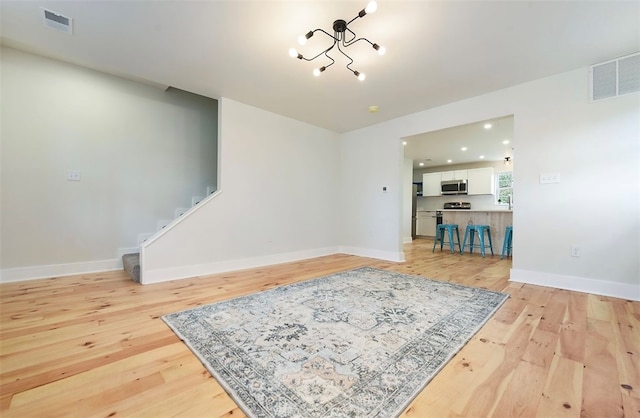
(521, 397)
(471, 371)
(540, 350)
(485, 398)
(626, 331)
(573, 328)
(33, 376)
(554, 311)
(562, 393)
(94, 345)
(601, 387)
(599, 307)
(128, 369)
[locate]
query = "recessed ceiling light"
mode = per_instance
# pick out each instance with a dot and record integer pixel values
(505, 142)
(463, 149)
(481, 157)
(487, 126)
(421, 164)
(404, 142)
(374, 109)
(449, 161)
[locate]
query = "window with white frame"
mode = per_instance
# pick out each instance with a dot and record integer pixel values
(504, 188)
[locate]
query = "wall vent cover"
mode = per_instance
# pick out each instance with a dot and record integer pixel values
(615, 78)
(57, 21)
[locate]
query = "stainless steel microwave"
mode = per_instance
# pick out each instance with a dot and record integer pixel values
(453, 187)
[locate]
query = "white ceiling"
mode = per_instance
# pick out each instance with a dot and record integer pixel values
(434, 149)
(438, 52)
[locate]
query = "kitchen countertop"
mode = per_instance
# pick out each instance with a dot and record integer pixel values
(466, 210)
(477, 210)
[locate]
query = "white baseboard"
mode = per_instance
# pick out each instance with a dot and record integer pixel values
(56, 270)
(578, 284)
(407, 240)
(183, 272)
(366, 252)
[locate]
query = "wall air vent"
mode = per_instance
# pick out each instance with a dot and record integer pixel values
(615, 78)
(57, 21)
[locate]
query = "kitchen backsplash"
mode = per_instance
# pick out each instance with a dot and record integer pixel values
(484, 202)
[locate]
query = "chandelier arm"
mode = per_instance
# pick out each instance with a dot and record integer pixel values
(353, 41)
(322, 52)
(349, 22)
(335, 41)
(350, 59)
(332, 60)
(326, 33)
(346, 42)
(340, 29)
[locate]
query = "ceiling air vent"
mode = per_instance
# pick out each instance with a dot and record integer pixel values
(615, 78)
(57, 21)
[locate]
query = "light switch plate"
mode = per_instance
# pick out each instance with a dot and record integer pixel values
(73, 175)
(549, 178)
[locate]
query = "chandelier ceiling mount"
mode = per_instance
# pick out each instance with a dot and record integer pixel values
(342, 37)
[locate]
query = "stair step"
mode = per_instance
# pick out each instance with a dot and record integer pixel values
(144, 236)
(131, 264)
(180, 211)
(162, 223)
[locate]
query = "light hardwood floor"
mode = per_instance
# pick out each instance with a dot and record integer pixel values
(94, 345)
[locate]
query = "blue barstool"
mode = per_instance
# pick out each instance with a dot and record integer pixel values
(440, 236)
(508, 237)
(470, 232)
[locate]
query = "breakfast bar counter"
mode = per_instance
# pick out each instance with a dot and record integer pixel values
(498, 220)
(476, 210)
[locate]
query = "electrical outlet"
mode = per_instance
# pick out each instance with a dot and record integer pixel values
(73, 175)
(576, 251)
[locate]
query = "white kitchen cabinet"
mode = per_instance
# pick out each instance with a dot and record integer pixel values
(431, 184)
(480, 181)
(426, 223)
(447, 175)
(454, 175)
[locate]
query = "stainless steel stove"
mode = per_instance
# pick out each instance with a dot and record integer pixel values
(457, 205)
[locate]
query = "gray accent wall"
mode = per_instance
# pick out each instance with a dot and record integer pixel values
(141, 152)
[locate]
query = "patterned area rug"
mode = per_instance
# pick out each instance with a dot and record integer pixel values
(360, 343)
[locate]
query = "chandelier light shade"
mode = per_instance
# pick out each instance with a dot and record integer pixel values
(343, 37)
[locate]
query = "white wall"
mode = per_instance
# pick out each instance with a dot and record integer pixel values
(141, 152)
(594, 147)
(371, 219)
(407, 200)
(290, 190)
(278, 200)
